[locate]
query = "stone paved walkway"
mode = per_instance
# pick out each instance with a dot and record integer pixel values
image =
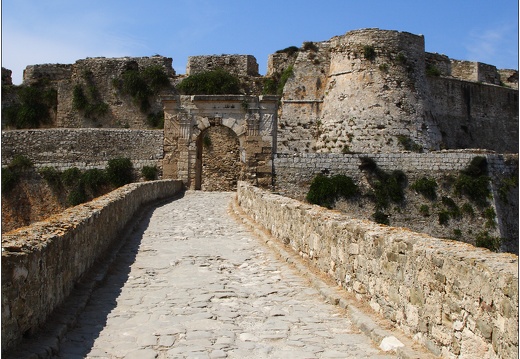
(193, 283)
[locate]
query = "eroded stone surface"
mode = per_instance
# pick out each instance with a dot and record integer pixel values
(192, 282)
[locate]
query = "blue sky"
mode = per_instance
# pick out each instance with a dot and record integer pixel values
(63, 31)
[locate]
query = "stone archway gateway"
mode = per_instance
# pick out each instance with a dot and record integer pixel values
(250, 119)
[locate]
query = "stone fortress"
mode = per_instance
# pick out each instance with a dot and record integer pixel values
(367, 94)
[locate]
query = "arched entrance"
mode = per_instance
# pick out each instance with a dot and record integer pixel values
(218, 165)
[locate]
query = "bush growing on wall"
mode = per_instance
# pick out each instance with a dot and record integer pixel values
(33, 108)
(120, 171)
(149, 173)
(216, 82)
(324, 191)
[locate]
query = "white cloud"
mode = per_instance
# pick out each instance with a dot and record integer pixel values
(489, 46)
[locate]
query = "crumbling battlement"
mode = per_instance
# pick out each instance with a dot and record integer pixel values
(239, 65)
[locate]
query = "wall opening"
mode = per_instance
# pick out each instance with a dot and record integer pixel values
(218, 165)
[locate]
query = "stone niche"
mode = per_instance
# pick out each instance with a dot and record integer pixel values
(213, 141)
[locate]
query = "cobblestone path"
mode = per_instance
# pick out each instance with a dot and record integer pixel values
(193, 283)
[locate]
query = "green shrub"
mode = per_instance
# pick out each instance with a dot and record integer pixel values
(453, 209)
(380, 217)
(408, 144)
(33, 108)
(156, 78)
(77, 196)
(324, 191)
(149, 173)
(286, 75)
(426, 186)
(505, 187)
(432, 70)
(310, 46)
(71, 176)
(444, 217)
(369, 52)
(216, 82)
(490, 215)
(457, 233)
(473, 182)
(89, 101)
(156, 120)
(291, 50)
(94, 179)
(120, 171)
(20, 163)
(270, 86)
(424, 210)
(468, 209)
(368, 164)
(344, 186)
(10, 179)
(485, 240)
(206, 141)
(52, 176)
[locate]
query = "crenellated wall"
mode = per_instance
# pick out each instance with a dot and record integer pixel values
(42, 262)
(460, 301)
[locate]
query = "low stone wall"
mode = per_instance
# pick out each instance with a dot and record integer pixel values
(64, 148)
(42, 262)
(458, 300)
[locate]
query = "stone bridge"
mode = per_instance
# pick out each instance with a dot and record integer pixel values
(252, 275)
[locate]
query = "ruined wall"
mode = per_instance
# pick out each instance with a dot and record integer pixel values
(42, 262)
(63, 148)
(239, 65)
(458, 300)
(294, 174)
(97, 76)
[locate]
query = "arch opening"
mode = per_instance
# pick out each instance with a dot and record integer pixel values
(218, 166)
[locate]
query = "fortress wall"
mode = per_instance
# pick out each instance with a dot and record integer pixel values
(475, 115)
(239, 65)
(63, 148)
(100, 73)
(41, 263)
(294, 174)
(456, 299)
(376, 90)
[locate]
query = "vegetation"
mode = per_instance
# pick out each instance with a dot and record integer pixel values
(88, 100)
(409, 144)
(473, 182)
(324, 191)
(33, 108)
(149, 173)
(216, 82)
(369, 52)
(432, 70)
(120, 171)
(141, 85)
(156, 120)
(426, 186)
(291, 50)
(485, 240)
(381, 218)
(11, 174)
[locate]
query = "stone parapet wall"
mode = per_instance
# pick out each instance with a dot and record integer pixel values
(458, 300)
(83, 148)
(42, 262)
